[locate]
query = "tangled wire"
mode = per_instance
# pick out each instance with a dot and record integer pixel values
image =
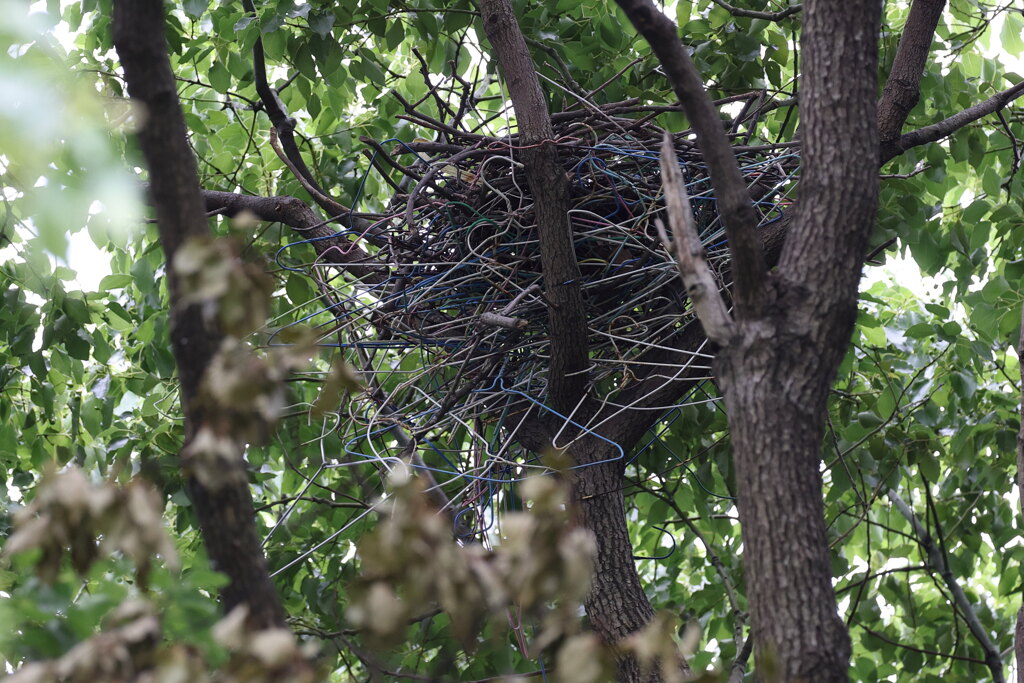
(454, 345)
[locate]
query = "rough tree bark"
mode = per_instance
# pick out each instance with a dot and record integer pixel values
(616, 605)
(776, 369)
(550, 187)
(1018, 640)
(777, 372)
(903, 86)
(296, 214)
(226, 515)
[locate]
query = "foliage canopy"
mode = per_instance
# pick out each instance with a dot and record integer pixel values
(923, 416)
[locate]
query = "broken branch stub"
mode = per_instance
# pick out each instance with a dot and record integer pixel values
(693, 267)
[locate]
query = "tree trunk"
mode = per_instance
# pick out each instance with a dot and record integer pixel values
(226, 515)
(776, 408)
(790, 330)
(549, 184)
(616, 604)
(1018, 641)
(777, 371)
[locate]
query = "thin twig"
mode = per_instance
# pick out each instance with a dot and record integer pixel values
(937, 560)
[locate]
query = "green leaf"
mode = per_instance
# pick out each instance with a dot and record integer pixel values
(115, 281)
(195, 8)
(920, 331)
(977, 209)
(220, 77)
(875, 336)
(991, 182)
(395, 35)
(321, 23)
(77, 310)
(299, 290)
(303, 60)
(244, 22)
(78, 345)
(374, 74)
(1011, 34)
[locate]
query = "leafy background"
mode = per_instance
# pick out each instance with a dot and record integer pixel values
(925, 405)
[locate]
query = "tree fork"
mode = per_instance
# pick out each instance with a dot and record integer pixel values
(616, 604)
(903, 86)
(782, 350)
(732, 198)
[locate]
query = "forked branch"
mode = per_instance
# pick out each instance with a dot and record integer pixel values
(734, 205)
(903, 87)
(938, 561)
(297, 215)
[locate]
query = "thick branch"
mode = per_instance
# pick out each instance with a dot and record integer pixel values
(1018, 640)
(297, 215)
(272, 104)
(627, 427)
(658, 392)
(776, 372)
(734, 203)
(654, 387)
(738, 670)
(946, 127)
(754, 14)
(226, 514)
(334, 209)
(566, 377)
(903, 87)
(283, 138)
(824, 252)
(693, 267)
(937, 560)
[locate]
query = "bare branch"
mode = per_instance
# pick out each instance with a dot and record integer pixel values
(560, 66)
(911, 648)
(947, 127)
(734, 203)
(1014, 147)
(297, 215)
(693, 267)
(738, 669)
(754, 14)
(903, 87)
(334, 209)
(272, 104)
(937, 561)
(504, 321)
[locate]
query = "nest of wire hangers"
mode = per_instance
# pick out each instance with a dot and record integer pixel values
(454, 342)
